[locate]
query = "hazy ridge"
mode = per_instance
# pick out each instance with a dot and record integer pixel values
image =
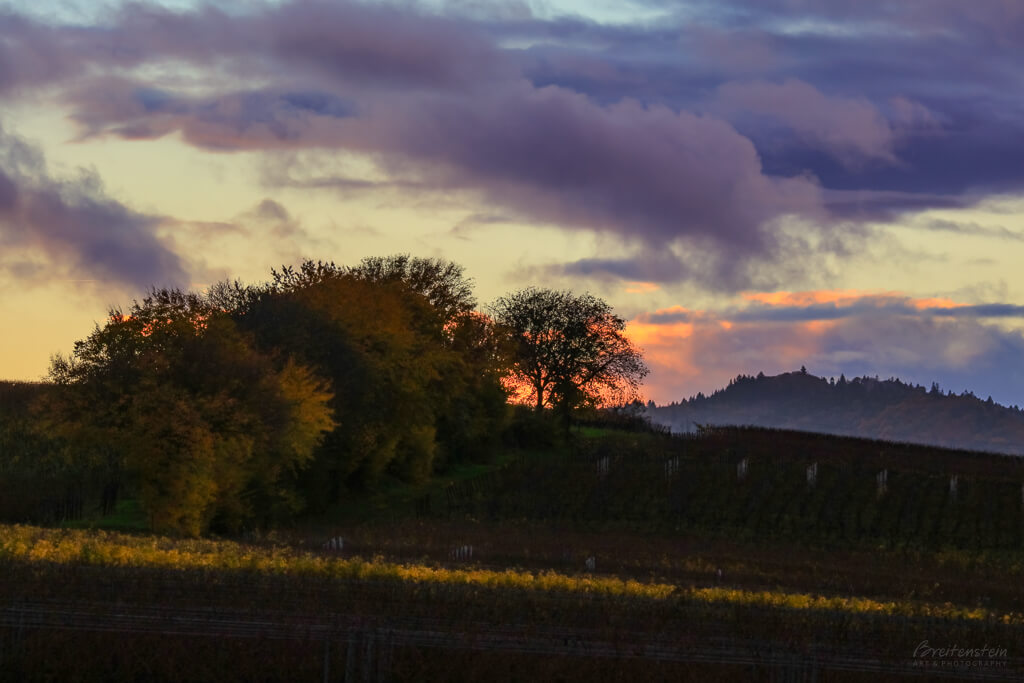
(864, 407)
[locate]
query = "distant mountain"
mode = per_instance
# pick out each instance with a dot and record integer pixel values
(864, 407)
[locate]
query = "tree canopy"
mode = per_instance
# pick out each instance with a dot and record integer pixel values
(568, 350)
(247, 404)
(209, 429)
(416, 372)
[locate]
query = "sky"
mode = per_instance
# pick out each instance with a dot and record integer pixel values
(755, 185)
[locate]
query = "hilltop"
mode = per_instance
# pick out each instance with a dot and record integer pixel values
(863, 407)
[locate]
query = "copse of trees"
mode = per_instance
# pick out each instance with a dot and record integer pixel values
(247, 404)
(207, 427)
(415, 371)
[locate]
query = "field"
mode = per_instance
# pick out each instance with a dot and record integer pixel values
(628, 556)
(764, 484)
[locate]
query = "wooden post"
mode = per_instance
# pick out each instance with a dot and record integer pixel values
(350, 658)
(671, 467)
(368, 658)
(385, 658)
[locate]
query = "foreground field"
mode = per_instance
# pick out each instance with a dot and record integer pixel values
(59, 580)
(740, 554)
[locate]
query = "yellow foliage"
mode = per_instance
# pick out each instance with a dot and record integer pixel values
(67, 546)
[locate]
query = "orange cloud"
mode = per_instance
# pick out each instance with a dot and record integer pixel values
(846, 297)
(817, 326)
(839, 297)
(685, 358)
(643, 334)
(922, 304)
(691, 350)
(641, 287)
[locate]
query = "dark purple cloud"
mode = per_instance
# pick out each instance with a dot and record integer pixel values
(970, 228)
(379, 44)
(873, 307)
(230, 121)
(8, 194)
(701, 133)
(79, 229)
(868, 305)
(645, 173)
(945, 84)
(30, 54)
(852, 130)
(727, 272)
(651, 267)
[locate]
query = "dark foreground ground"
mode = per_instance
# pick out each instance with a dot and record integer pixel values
(925, 581)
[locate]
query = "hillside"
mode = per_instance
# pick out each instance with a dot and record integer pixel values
(863, 407)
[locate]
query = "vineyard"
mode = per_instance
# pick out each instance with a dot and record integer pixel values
(736, 554)
(57, 581)
(758, 483)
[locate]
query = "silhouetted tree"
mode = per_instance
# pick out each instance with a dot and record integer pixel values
(568, 350)
(442, 283)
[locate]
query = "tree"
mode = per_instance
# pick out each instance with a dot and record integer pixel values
(568, 350)
(441, 282)
(468, 399)
(361, 335)
(416, 372)
(210, 430)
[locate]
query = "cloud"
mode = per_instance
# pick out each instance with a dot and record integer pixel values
(73, 223)
(347, 43)
(8, 193)
(832, 332)
(379, 44)
(705, 133)
(662, 264)
(933, 90)
(644, 173)
(231, 121)
(647, 174)
(30, 53)
(852, 130)
(969, 228)
(656, 267)
(273, 217)
(824, 305)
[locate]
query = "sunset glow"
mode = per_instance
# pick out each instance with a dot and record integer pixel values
(748, 204)
(838, 297)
